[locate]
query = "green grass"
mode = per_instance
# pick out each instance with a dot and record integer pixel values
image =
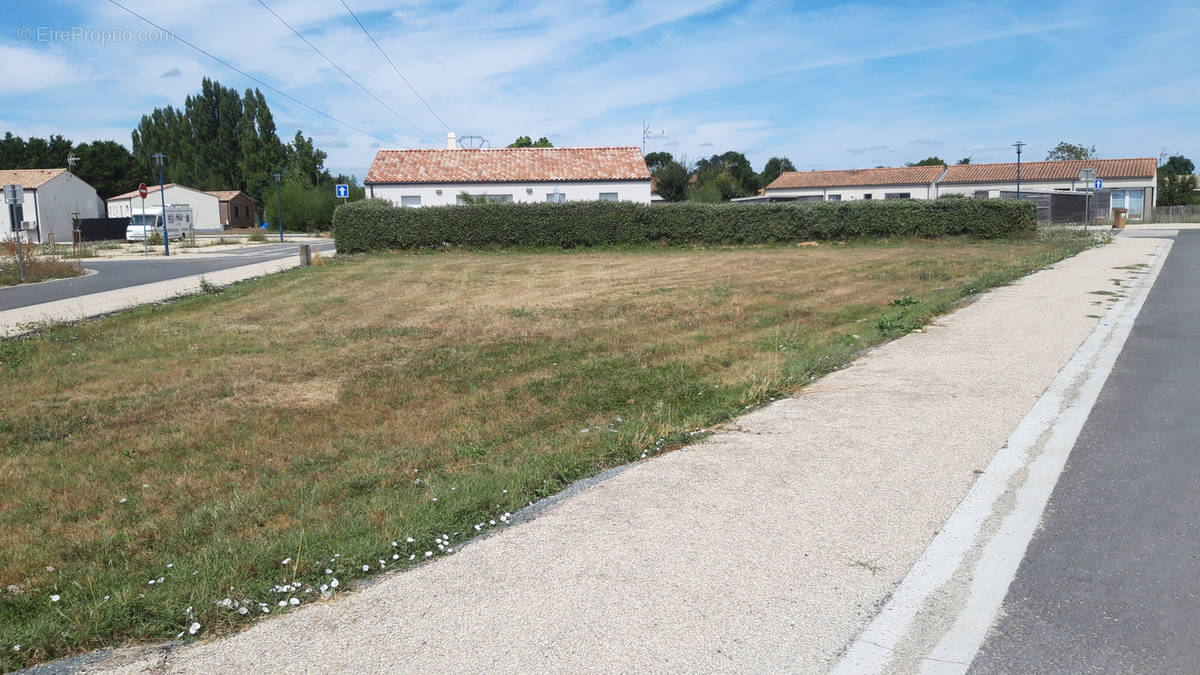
(318, 415)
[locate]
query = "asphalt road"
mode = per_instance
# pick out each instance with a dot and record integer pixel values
(1111, 581)
(116, 274)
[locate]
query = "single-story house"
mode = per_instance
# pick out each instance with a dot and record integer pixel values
(1125, 183)
(903, 182)
(237, 209)
(442, 177)
(206, 207)
(54, 198)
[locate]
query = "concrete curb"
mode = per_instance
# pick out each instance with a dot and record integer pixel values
(24, 319)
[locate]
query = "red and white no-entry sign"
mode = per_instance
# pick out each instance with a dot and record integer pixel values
(142, 190)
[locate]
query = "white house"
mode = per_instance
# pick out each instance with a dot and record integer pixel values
(1125, 183)
(441, 177)
(54, 198)
(904, 182)
(206, 207)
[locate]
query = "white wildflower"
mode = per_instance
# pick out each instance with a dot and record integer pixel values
(194, 628)
(333, 583)
(366, 568)
(286, 561)
(409, 540)
(54, 598)
(294, 601)
(428, 553)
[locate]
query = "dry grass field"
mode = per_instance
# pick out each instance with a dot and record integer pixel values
(181, 469)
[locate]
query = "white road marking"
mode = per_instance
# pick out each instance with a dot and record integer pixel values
(1048, 432)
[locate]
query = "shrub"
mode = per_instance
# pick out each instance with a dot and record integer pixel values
(374, 224)
(257, 236)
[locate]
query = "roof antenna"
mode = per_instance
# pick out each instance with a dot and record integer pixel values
(647, 132)
(72, 160)
(473, 142)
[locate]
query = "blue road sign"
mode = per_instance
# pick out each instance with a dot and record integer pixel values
(1099, 183)
(343, 190)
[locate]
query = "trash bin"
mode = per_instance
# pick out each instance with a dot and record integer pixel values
(1119, 216)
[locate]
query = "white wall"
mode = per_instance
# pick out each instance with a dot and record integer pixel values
(916, 191)
(627, 191)
(53, 207)
(206, 208)
(969, 189)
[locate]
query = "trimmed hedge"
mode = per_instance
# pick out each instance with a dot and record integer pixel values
(374, 224)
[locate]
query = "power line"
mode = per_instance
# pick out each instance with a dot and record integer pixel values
(343, 72)
(251, 77)
(385, 56)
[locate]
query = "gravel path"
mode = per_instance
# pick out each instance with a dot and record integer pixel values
(767, 547)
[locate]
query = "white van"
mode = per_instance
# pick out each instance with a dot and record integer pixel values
(142, 224)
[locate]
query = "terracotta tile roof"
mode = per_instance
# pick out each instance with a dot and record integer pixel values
(28, 178)
(1143, 167)
(900, 175)
(505, 165)
(226, 195)
(150, 189)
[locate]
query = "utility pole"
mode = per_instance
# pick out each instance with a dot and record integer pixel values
(159, 158)
(279, 208)
(1018, 145)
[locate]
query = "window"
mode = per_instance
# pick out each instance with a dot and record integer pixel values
(1128, 199)
(834, 198)
(981, 194)
(867, 196)
(555, 197)
(410, 200)
(235, 212)
(897, 195)
(608, 196)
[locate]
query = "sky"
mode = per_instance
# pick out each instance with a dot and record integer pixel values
(828, 85)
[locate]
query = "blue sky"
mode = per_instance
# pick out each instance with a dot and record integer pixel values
(828, 85)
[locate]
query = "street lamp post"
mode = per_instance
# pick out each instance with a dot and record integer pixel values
(279, 208)
(159, 158)
(1018, 145)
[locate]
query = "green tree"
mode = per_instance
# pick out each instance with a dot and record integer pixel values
(730, 173)
(708, 193)
(1178, 165)
(658, 160)
(1177, 182)
(305, 161)
(213, 118)
(671, 181)
(964, 160)
(527, 142)
(262, 152)
(12, 151)
(772, 170)
(928, 161)
(107, 166)
(1066, 150)
(167, 131)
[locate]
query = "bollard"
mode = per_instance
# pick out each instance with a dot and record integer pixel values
(305, 255)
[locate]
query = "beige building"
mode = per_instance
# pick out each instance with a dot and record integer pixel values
(206, 207)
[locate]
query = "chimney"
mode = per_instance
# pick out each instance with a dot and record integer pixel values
(451, 141)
